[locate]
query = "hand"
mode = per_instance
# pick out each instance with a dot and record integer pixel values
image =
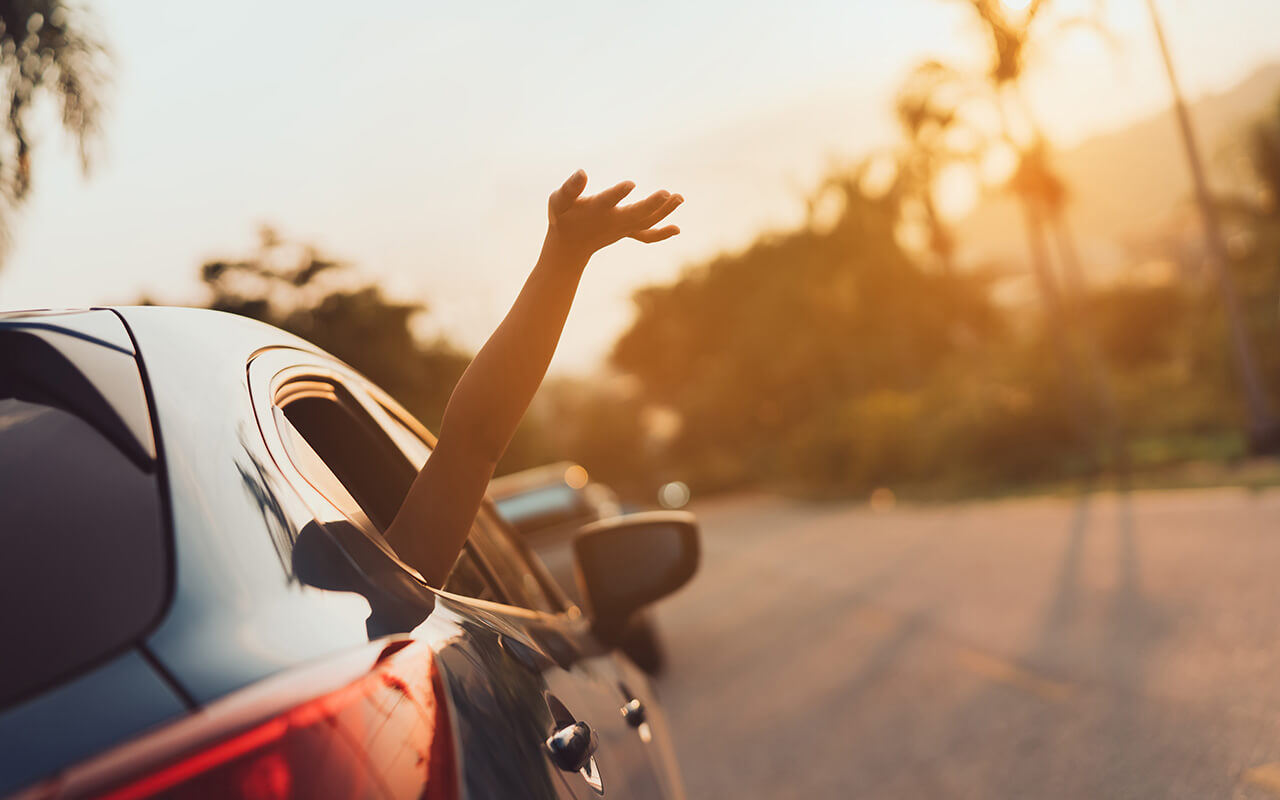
(579, 226)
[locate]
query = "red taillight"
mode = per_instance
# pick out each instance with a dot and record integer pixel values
(386, 735)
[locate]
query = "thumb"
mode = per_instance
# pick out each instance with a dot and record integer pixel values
(561, 199)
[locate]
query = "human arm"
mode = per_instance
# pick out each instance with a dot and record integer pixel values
(495, 390)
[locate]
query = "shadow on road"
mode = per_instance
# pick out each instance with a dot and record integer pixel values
(1103, 739)
(787, 674)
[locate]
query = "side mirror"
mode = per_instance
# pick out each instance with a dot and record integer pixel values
(626, 563)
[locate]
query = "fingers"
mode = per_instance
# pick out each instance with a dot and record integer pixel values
(561, 199)
(651, 235)
(612, 196)
(639, 210)
(660, 213)
(651, 210)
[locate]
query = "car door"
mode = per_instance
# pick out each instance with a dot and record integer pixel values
(589, 684)
(585, 684)
(529, 666)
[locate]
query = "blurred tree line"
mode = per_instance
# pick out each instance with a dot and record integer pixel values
(833, 358)
(847, 354)
(308, 294)
(325, 301)
(830, 357)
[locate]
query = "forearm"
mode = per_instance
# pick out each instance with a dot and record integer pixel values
(482, 414)
(496, 389)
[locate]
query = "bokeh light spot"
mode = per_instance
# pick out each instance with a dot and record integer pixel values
(883, 499)
(674, 494)
(576, 477)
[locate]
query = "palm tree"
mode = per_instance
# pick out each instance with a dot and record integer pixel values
(1043, 195)
(46, 49)
(1264, 429)
(1264, 153)
(927, 109)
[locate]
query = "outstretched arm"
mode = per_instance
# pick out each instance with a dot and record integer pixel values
(495, 391)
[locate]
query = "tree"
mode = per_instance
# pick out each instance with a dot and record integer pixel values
(46, 49)
(1013, 38)
(292, 287)
(1264, 154)
(808, 356)
(927, 109)
(1264, 428)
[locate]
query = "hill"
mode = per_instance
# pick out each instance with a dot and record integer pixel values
(1131, 186)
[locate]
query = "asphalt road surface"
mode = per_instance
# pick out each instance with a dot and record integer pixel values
(1107, 647)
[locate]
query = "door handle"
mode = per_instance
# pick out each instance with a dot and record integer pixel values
(572, 746)
(633, 713)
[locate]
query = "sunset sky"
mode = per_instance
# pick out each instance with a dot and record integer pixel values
(420, 142)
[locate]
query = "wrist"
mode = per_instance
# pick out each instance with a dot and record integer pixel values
(562, 255)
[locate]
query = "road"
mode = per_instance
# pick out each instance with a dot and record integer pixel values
(1109, 646)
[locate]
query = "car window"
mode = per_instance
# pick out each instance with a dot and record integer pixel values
(83, 541)
(366, 466)
(411, 444)
(342, 451)
(509, 565)
(468, 578)
(490, 555)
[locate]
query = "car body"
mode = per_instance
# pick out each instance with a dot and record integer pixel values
(548, 505)
(199, 601)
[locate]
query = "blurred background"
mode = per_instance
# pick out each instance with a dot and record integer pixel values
(935, 252)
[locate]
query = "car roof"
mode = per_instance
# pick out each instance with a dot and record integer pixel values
(234, 520)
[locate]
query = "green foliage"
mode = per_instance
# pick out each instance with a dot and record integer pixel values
(1264, 153)
(291, 287)
(829, 360)
(46, 49)
(1138, 325)
(601, 425)
(820, 357)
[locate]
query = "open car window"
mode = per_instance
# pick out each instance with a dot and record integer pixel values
(332, 437)
(354, 448)
(511, 568)
(469, 579)
(491, 555)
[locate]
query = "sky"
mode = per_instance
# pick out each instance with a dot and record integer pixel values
(419, 142)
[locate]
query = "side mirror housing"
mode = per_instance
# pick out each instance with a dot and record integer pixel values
(626, 563)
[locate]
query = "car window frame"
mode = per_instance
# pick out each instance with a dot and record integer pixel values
(394, 414)
(269, 370)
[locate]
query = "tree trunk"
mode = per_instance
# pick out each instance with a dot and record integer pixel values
(1264, 433)
(1050, 292)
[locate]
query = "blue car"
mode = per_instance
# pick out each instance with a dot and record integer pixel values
(198, 600)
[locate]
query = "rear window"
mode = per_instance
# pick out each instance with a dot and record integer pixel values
(84, 570)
